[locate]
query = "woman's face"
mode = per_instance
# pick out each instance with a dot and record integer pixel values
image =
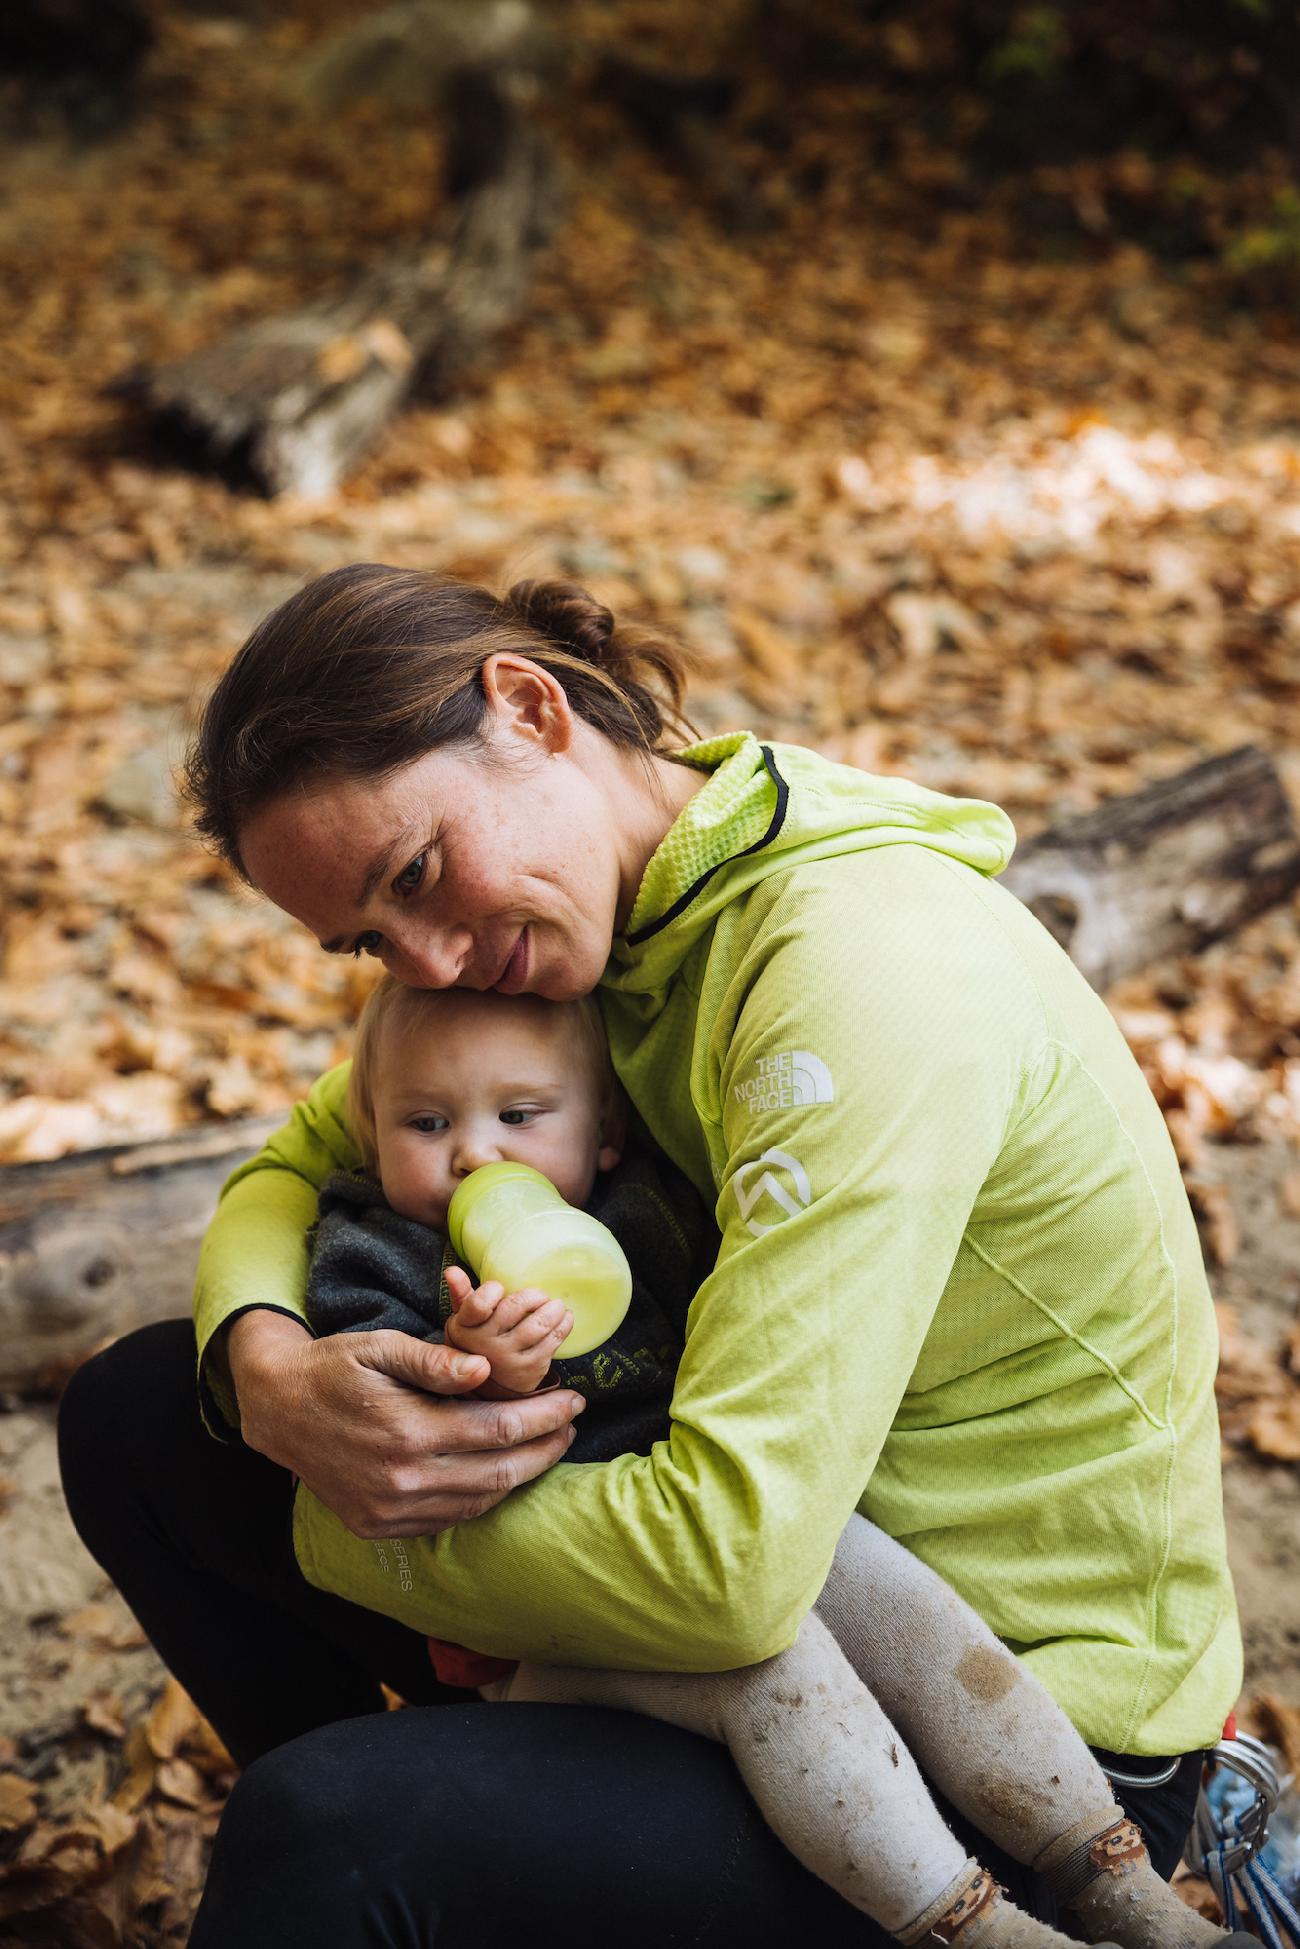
(492, 867)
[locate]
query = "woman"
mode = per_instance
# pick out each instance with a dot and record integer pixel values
(928, 1145)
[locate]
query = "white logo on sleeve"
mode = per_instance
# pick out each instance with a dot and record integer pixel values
(785, 1082)
(778, 1178)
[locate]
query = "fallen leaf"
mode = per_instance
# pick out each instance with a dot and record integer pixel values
(1279, 1724)
(36, 1128)
(341, 359)
(140, 1769)
(114, 1826)
(925, 623)
(206, 1749)
(1274, 1429)
(92, 1621)
(18, 1802)
(389, 344)
(1222, 1233)
(767, 650)
(103, 1714)
(181, 1781)
(172, 1718)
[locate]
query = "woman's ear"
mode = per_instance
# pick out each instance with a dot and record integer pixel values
(527, 702)
(613, 1130)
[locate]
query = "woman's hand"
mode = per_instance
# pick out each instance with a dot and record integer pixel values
(351, 1416)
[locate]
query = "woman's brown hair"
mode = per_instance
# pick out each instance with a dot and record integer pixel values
(369, 668)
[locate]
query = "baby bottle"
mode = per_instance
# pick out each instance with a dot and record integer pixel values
(508, 1222)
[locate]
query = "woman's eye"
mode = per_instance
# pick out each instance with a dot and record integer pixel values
(517, 1117)
(367, 943)
(408, 880)
(428, 1126)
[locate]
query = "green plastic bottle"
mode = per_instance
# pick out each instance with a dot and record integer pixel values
(508, 1222)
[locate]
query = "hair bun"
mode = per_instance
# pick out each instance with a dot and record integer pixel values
(567, 614)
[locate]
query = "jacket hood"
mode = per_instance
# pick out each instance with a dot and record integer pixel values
(764, 809)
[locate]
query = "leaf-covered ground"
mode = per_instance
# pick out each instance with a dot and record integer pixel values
(1012, 510)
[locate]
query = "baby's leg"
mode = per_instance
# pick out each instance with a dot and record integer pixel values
(995, 1741)
(832, 1778)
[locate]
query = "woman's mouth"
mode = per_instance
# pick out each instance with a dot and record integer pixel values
(513, 977)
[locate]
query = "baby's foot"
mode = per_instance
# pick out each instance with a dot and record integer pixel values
(518, 1333)
(976, 1915)
(1107, 1879)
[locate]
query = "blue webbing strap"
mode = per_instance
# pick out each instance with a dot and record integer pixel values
(1230, 1830)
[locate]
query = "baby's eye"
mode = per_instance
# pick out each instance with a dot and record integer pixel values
(428, 1126)
(408, 880)
(368, 943)
(517, 1117)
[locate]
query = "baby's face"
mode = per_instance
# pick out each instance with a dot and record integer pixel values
(479, 1082)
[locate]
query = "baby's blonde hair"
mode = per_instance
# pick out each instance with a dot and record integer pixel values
(393, 1008)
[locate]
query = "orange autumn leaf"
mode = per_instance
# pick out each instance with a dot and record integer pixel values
(18, 1802)
(1274, 1429)
(171, 1720)
(1279, 1724)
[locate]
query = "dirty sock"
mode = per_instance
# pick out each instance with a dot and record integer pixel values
(1107, 1880)
(973, 1914)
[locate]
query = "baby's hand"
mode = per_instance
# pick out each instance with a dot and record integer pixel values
(517, 1332)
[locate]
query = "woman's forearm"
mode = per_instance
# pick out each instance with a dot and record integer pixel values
(255, 1252)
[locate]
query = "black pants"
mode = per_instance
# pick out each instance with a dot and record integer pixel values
(460, 1825)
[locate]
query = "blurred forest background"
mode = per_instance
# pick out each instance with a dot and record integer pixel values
(932, 370)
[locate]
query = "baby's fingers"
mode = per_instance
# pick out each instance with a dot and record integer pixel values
(479, 1304)
(521, 1305)
(459, 1286)
(553, 1322)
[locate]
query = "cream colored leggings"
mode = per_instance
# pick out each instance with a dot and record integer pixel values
(891, 1668)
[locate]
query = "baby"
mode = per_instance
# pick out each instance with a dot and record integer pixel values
(446, 1081)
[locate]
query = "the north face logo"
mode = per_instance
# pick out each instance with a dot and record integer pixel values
(785, 1082)
(775, 1183)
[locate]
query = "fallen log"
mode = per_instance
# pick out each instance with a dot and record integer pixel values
(1166, 870)
(102, 1241)
(290, 402)
(95, 1244)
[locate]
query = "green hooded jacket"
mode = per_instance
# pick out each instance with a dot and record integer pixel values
(959, 1287)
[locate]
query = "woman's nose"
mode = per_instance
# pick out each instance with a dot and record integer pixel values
(428, 960)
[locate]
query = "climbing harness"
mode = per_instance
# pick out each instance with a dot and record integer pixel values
(1229, 1836)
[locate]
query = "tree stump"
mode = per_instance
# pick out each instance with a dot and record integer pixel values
(292, 401)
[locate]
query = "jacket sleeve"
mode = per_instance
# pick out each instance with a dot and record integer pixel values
(841, 1215)
(255, 1250)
